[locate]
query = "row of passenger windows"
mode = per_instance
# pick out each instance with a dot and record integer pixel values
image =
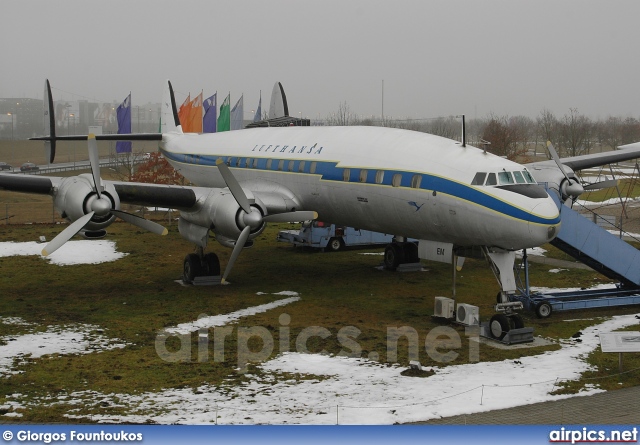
(290, 166)
(503, 178)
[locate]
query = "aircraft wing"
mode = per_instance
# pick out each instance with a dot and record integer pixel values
(577, 163)
(177, 197)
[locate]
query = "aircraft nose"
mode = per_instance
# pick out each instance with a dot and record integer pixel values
(549, 225)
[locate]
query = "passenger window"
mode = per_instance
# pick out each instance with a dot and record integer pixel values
(505, 178)
(229, 161)
(491, 179)
(415, 181)
(291, 165)
(301, 167)
(519, 178)
(397, 178)
(248, 164)
(379, 176)
(478, 179)
(238, 162)
(345, 174)
(312, 168)
(281, 165)
(269, 162)
(363, 175)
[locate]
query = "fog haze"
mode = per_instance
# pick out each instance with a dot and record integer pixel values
(436, 58)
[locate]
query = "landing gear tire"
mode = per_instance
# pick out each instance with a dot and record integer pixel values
(543, 309)
(192, 268)
(499, 326)
(410, 253)
(393, 256)
(516, 321)
(335, 244)
(211, 264)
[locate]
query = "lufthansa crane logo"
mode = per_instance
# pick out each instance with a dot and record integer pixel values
(415, 204)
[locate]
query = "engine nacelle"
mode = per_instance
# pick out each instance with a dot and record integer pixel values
(220, 213)
(75, 197)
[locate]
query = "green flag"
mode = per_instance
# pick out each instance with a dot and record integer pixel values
(224, 120)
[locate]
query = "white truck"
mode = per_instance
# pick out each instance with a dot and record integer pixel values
(325, 236)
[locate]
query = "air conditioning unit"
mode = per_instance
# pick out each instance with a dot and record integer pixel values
(444, 307)
(467, 314)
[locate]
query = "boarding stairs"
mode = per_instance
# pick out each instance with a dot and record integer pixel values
(605, 253)
(597, 248)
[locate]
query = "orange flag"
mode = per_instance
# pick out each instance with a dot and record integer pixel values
(195, 115)
(184, 113)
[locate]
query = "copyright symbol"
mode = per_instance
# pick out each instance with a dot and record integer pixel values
(7, 435)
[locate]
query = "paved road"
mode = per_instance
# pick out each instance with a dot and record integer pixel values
(621, 406)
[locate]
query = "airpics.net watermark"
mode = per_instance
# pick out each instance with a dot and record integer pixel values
(441, 344)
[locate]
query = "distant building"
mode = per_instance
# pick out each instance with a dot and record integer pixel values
(22, 118)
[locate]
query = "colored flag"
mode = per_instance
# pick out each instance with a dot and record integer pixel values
(210, 114)
(123, 114)
(237, 115)
(195, 115)
(258, 116)
(224, 120)
(184, 112)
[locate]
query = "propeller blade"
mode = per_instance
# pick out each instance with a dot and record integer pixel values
(244, 235)
(556, 158)
(141, 222)
(95, 162)
(602, 184)
(66, 234)
(291, 216)
(234, 186)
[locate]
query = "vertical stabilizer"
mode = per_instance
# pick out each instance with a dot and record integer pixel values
(49, 123)
(278, 106)
(169, 120)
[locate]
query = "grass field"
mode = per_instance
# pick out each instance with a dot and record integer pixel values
(132, 299)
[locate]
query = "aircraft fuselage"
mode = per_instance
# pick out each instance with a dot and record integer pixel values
(387, 180)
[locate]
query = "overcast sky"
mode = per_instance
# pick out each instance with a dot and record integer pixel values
(436, 58)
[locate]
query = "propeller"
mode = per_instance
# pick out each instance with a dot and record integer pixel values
(252, 217)
(602, 184)
(573, 187)
(99, 207)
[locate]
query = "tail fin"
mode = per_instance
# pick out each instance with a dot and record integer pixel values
(169, 120)
(279, 106)
(49, 123)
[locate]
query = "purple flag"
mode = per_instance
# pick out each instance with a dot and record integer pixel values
(123, 114)
(210, 114)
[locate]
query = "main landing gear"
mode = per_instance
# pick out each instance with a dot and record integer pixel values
(200, 264)
(400, 252)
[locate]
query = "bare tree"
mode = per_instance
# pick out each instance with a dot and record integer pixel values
(575, 133)
(343, 117)
(502, 136)
(547, 127)
(630, 131)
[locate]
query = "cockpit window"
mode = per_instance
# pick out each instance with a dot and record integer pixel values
(505, 178)
(528, 177)
(479, 179)
(519, 178)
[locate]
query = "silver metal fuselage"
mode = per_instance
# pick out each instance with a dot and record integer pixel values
(387, 180)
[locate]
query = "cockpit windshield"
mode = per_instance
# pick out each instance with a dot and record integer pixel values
(503, 178)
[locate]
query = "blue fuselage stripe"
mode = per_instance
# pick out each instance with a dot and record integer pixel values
(330, 172)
